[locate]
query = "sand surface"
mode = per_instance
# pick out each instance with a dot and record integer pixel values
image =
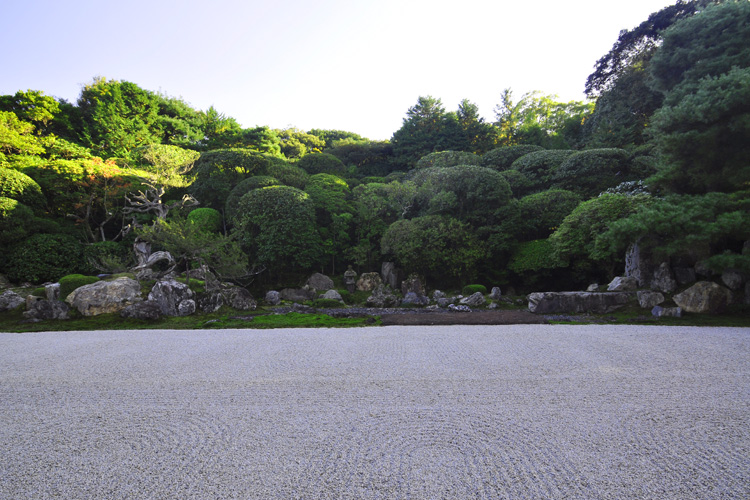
(454, 412)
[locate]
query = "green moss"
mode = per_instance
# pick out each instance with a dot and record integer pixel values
(472, 289)
(72, 281)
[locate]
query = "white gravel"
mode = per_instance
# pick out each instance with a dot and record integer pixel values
(522, 412)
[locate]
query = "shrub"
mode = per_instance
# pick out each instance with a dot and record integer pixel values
(244, 187)
(108, 256)
(15, 219)
(472, 289)
(72, 281)
(208, 219)
(590, 172)
(518, 182)
(541, 213)
(448, 159)
(540, 166)
(288, 175)
(502, 158)
(322, 163)
(20, 187)
(533, 256)
(44, 257)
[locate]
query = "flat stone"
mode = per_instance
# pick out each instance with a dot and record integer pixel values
(623, 284)
(577, 302)
(673, 312)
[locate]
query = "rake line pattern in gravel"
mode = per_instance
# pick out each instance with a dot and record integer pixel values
(551, 412)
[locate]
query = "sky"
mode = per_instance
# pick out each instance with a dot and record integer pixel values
(355, 65)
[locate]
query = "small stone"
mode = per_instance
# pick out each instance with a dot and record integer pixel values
(673, 312)
(495, 293)
(593, 287)
(732, 278)
(648, 300)
(10, 300)
(273, 298)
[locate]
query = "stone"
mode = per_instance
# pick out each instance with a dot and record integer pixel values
(673, 312)
(704, 297)
(684, 275)
(210, 301)
(382, 296)
(638, 265)
(473, 300)
(412, 284)
(31, 300)
(10, 300)
(438, 294)
(52, 291)
(104, 297)
(623, 284)
(413, 299)
(239, 298)
(702, 269)
(320, 282)
(493, 306)
(302, 308)
(368, 282)
(297, 294)
(332, 295)
(733, 279)
(577, 302)
(273, 298)
(459, 308)
(47, 309)
(663, 279)
(390, 274)
(142, 310)
(444, 302)
(496, 293)
(648, 300)
(593, 287)
(350, 279)
(169, 294)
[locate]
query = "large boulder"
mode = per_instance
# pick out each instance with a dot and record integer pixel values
(104, 297)
(390, 274)
(273, 298)
(10, 300)
(47, 309)
(142, 310)
(297, 294)
(239, 298)
(474, 300)
(638, 265)
(704, 297)
(413, 299)
(368, 282)
(663, 279)
(412, 284)
(382, 296)
(623, 284)
(577, 302)
(733, 279)
(332, 295)
(170, 295)
(649, 300)
(320, 282)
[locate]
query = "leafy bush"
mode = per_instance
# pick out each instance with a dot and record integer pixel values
(44, 257)
(533, 256)
(20, 187)
(591, 172)
(72, 281)
(541, 213)
(518, 182)
(326, 303)
(288, 175)
(322, 163)
(448, 159)
(108, 256)
(540, 167)
(472, 289)
(502, 158)
(208, 219)
(15, 220)
(244, 187)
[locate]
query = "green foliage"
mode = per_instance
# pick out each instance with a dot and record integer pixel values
(518, 182)
(296, 143)
(287, 174)
(478, 136)
(15, 221)
(328, 193)
(244, 187)
(109, 256)
(436, 246)
(534, 256)
(448, 159)
(502, 158)
(322, 163)
(207, 219)
(21, 187)
(72, 281)
(371, 158)
(44, 257)
(277, 225)
(540, 167)
(165, 163)
(472, 289)
(16, 136)
(331, 136)
(61, 149)
(591, 172)
(541, 213)
(31, 106)
(580, 233)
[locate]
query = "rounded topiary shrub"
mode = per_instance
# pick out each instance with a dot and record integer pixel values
(208, 219)
(540, 167)
(591, 172)
(322, 163)
(502, 158)
(21, 187)
(448, 159)
(72, 281)
(244, 187)
(472, 289)
(15, 220)
(44, 257)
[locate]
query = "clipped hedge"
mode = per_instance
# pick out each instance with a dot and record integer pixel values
(72, 281)
(15, 220)
(44, 257)
(208, 219)
(540, 167)
(448, 159)
(472, 289)
(502, 158)
(322, 163)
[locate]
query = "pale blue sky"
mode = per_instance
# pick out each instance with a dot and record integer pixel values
(349, 65)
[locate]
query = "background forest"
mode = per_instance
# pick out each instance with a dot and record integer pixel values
(547, 195)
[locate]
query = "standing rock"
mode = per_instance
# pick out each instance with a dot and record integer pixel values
(663, 279)
(320, 282)
(648, 300)
(239, 298)
(10, 300)
(170, 294)
(273, 298)
(47, 309)
(638, 265)
(412, 284)
(702, 269)
(390, 274)
(474, 300)
(704, 297)
(368, 282)
(105, 297)
(622, 284)
(438, 294)
(52, 291)
(382, 296)
(495, 294)
(732, 278)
